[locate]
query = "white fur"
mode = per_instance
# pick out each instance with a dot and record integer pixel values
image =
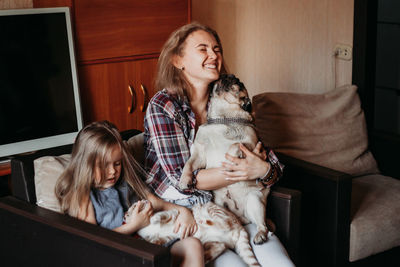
(218, 229)
(247, 200)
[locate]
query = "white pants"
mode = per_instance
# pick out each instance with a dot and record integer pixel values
(271, 253)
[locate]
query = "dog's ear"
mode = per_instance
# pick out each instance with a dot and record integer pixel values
(215, 88)
(226, 83)
(233, 80)
(223, 84)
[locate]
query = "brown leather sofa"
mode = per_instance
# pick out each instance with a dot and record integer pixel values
(349, 214)
(35, 236)
(326, 215)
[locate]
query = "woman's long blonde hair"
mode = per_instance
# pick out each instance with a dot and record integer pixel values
(93, 144)
(170, 77)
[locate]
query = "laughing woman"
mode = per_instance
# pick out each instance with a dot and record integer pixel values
(190, 60)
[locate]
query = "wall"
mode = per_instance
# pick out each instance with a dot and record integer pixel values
(282, 45)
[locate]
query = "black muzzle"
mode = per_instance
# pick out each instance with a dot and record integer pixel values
(247, 105)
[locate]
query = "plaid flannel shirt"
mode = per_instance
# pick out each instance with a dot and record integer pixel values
(169, 127)
(169, 130)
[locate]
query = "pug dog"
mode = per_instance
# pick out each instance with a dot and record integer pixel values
(229, 123)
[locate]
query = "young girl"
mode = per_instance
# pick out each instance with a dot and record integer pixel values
(95, 187)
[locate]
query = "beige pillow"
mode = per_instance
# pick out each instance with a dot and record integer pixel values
(47, 171)
(326, 129)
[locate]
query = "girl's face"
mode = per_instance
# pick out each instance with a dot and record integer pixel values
(112, 168)
(201, 59)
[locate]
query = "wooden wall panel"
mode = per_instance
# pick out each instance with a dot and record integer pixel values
(15, 4)
(284, 45)
(52, 3)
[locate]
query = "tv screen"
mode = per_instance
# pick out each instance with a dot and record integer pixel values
(39, 99)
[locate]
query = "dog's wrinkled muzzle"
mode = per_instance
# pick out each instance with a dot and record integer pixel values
(247, 105)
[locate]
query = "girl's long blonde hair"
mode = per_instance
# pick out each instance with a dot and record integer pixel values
(94, 143)
(170, 77)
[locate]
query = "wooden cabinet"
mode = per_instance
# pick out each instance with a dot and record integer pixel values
(118, 92)
(117, 45)
(119, 28)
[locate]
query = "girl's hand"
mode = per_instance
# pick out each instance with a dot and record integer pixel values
(141, 214)
(186, 223)
(251, 167)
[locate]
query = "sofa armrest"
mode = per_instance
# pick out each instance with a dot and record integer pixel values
(22, 172)
(325, 211)
(283, 208)
(34, 236)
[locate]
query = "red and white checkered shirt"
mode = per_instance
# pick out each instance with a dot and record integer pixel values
(169, 128)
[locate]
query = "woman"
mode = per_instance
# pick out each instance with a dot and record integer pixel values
(190, 60)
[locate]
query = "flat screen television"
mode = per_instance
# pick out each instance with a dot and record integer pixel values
(39, 96)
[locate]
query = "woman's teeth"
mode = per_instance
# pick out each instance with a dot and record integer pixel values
(210, 66)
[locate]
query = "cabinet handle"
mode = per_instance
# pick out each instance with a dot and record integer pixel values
(145, 100)
(132, 108)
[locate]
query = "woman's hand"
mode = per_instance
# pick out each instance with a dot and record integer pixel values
(260, 151)
(251, 167)
(186, 223)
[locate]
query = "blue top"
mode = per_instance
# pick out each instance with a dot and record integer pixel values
(110, 204)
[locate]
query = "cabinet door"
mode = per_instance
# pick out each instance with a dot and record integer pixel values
(143, 83)
(120, 28)
(106, 95)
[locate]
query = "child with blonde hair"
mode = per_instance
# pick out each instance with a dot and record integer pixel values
(102, 181)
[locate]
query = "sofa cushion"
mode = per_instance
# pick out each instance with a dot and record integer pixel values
(136, 147)
(47, 171)
(326, 129)
(49, 168)
(375, 220)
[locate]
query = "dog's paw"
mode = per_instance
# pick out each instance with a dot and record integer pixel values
(260, 238)
(184, 183)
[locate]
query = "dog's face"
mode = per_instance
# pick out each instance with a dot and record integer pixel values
(232, 90)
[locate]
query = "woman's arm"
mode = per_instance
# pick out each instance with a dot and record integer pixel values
(239, 170)
(253, 166)
(170, 144)
(211, 179)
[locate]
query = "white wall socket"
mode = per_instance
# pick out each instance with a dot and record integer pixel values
(343, 51)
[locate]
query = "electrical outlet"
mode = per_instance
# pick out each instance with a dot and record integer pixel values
(343, 51)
